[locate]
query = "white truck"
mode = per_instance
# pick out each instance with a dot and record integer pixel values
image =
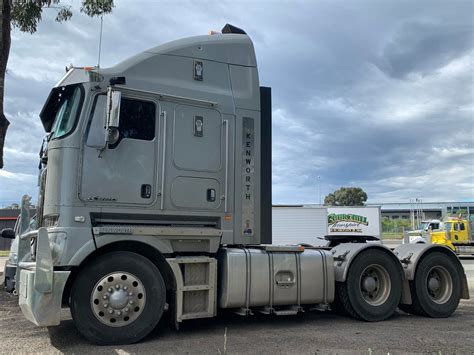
(156, 197)
(321, 225)
(421, 234)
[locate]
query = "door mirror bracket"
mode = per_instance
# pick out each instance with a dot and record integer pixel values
(112, 118)
(113, 107)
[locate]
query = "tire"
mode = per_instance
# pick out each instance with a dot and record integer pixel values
(9, 285)
(337, 307)
(432, 302)
(9, 274)
(373, 287)
(125, 284)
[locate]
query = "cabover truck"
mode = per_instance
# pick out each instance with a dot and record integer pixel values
(156, 196)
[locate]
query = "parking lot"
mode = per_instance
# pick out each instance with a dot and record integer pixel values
(312, 332)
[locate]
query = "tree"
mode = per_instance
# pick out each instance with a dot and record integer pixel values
(346, 196)
(25, 15)
(13, 206)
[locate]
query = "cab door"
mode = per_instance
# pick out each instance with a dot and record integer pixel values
(460, 234)
(124, 172)
(196, 170)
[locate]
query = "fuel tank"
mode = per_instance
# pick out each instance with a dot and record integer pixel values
(272, 276)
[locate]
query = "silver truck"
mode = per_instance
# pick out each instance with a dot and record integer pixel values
(156, 197)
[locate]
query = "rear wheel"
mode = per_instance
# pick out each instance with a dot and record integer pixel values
(436, 289)
(118, 299)
(372, 289)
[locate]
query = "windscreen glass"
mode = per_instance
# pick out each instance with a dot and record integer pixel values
(64, 105)
(423, 225)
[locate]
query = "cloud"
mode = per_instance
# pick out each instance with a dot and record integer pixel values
(439, 43)
(371, 94)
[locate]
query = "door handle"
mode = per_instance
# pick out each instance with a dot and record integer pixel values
(211, 195)
(285, 284)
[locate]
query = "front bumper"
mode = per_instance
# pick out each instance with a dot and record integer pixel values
(40, 288)
(41, 308)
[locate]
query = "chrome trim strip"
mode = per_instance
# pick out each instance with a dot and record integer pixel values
(163, 163)
(226, 183)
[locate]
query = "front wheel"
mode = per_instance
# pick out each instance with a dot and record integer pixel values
(373, 286)
(118, 299)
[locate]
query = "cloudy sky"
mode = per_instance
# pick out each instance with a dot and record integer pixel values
(376, 94)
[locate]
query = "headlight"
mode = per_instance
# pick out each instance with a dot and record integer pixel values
(57, 242)
(51, 220)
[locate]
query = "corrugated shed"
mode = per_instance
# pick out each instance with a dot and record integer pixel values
(7, 220)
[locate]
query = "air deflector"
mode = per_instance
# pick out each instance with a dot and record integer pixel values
(228, 28)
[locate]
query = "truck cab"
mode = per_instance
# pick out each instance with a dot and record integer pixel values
(456, 231)
(421, 234)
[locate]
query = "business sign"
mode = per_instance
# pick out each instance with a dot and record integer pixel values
(354, 221)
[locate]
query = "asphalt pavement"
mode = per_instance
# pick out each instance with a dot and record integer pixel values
(311, 332)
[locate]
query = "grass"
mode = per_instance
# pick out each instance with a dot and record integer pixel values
(4, 253)
(392, 235)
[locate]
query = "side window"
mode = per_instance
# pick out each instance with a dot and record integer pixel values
(456, 226)
(96, 134)
(462, 226)
(137, 120)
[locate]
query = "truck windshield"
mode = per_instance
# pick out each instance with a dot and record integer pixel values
(423, 226)
(62, 109)
(447, 227)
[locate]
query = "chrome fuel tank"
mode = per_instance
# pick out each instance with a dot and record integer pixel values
(274, 276)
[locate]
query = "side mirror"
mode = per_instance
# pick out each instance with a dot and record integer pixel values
(113, 115)
(8, 233)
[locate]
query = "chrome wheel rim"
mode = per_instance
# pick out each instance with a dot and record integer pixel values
(439, 284)
(118, 299)
(375, 285)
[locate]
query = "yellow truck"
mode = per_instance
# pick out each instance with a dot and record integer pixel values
(457, 235)
(453, 232)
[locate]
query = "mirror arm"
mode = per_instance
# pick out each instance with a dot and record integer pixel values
(112, 114)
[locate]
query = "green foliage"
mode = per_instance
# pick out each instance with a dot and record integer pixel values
(346, 196)
(97, 7)
(395, 225)
(26, 14)
(13, 206)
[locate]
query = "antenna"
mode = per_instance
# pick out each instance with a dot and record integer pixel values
(100, 41)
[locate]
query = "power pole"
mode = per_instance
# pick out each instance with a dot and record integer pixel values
(319, 188)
